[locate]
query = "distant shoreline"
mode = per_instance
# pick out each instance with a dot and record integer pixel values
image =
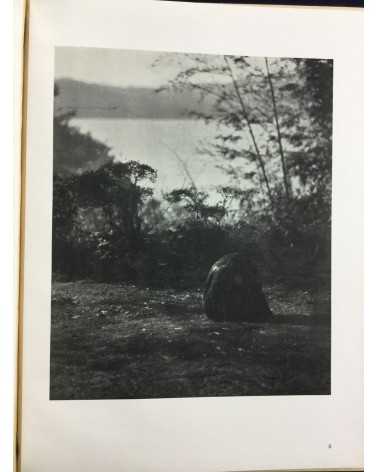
(131, 118)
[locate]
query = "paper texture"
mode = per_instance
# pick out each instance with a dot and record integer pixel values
(217, 434)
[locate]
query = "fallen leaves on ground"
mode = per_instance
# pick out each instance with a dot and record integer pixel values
(121, 341)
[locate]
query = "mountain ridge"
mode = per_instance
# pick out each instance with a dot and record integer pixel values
(93, 100)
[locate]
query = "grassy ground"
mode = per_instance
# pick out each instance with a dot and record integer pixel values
(119, 341)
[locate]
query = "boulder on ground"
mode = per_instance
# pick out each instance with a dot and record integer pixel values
(233, 291)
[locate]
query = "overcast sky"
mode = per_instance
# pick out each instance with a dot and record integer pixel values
(112, 67)
(125, 68)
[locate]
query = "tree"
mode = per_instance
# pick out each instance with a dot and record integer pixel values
(274, 121)
(245, 108)
(261, 108)
(194, 202)
(118, 188)
(98, 202)
(74, 151)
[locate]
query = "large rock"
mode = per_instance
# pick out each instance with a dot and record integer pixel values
(233, 291)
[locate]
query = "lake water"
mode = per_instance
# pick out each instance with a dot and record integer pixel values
(155, 142)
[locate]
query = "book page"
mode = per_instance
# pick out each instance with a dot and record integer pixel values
(193, 238)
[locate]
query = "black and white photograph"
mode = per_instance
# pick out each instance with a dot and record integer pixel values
(191, 225)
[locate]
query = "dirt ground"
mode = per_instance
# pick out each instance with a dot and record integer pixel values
(112, 341)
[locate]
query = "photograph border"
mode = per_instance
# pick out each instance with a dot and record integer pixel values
(50, 412)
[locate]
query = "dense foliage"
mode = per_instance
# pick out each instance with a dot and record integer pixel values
(275, 144)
